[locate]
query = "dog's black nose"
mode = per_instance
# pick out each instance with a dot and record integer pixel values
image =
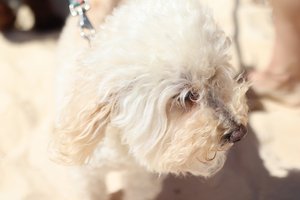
(237, 134)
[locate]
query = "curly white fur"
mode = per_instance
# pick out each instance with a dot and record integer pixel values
(140, 96)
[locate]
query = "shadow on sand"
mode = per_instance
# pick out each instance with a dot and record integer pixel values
(16, 36)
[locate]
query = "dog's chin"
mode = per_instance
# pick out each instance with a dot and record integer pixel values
(208, 168)
(195, 165)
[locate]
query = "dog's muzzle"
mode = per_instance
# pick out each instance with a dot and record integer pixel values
(237, 131)
(236, 134)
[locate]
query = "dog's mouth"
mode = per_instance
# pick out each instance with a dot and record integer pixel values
(234, 135)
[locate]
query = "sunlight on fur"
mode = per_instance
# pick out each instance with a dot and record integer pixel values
(155, 90)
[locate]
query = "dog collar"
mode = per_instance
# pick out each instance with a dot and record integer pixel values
(79, 8)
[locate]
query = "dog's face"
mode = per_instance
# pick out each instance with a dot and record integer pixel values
(183, 123)
(164, 83)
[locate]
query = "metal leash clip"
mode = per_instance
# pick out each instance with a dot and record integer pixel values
(79, 8)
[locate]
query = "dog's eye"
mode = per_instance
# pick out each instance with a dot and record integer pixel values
(187, 100)
(241, 77)
(191, 97)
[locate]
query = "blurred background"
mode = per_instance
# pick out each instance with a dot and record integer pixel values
(265, 165)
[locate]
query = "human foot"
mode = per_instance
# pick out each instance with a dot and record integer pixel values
(281, 87)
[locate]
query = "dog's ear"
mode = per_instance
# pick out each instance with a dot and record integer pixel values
(76, 138)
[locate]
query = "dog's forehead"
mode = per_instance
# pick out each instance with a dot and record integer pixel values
(180, 33)
(212, 77)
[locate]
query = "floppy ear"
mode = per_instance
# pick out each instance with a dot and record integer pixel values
(77, 136)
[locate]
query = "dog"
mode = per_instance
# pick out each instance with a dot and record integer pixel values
(155, 93)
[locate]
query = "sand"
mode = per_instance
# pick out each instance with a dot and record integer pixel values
(263, 166)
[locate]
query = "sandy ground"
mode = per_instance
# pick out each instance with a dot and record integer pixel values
(263, 166)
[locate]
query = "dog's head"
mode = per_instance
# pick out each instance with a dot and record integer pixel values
(164, 83)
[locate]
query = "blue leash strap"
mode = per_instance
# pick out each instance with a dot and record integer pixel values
(79, 8)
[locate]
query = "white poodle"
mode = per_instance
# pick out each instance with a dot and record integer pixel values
(154, 94)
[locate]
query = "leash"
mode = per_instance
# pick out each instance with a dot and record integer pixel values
(79, 8)
(236, 36)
